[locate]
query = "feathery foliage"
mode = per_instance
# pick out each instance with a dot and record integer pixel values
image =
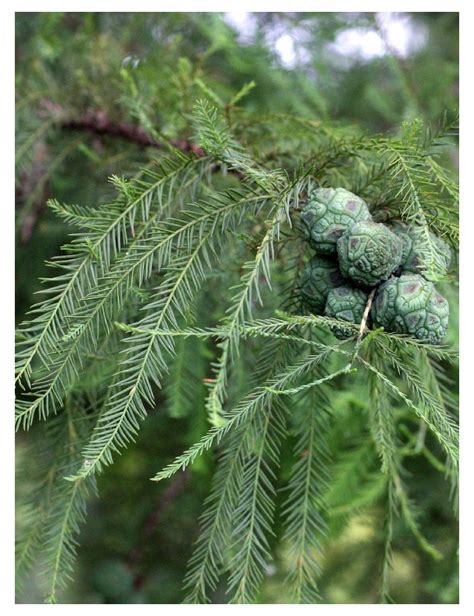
(188, 278)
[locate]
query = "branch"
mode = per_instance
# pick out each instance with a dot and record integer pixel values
(97, 122)
(363, 325)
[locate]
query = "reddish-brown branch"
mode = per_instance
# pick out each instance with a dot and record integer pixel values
(98, 122)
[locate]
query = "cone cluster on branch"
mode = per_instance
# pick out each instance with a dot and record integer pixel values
(354, 254)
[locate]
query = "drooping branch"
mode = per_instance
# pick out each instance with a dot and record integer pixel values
(97, 122)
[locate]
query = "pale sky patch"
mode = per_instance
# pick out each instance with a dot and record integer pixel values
(397, 33)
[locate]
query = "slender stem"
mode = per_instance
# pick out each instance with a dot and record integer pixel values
(363, 325)
(348, 368)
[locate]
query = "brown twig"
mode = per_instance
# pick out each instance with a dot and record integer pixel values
(98, 123)
(95, 122)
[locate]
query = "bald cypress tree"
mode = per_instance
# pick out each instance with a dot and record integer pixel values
(178, 295)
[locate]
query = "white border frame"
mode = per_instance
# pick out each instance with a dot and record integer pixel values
(7, 26)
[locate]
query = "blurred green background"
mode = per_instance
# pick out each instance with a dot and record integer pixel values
(369, 70)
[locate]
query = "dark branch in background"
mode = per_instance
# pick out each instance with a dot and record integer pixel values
(136, 554)
(98, 123)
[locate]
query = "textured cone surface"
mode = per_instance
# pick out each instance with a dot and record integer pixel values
(328, 213)
(423, 253)
(401, 230)
(411, 305)
(369, 252)
(348, 304)
(318, 277)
